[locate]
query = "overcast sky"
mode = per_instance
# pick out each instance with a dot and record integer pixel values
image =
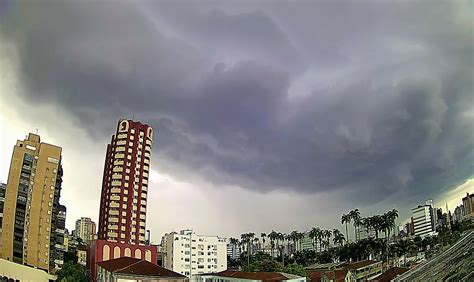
(267, 114)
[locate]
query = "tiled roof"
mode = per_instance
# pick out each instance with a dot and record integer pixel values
(360, 264)
(315, 275)
(331, 265)
(263, 276)
(390, 274)
(133, 266)
(340, 274)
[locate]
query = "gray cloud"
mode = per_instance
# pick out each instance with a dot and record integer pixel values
(373, 99)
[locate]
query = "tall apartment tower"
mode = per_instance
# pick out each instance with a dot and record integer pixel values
(123, 201)
(85, 229)
(31, 207)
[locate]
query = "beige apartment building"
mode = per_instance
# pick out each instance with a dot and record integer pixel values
(31, 202)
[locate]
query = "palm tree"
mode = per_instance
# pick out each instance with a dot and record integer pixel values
(300, 239)
(272, 236)
(313, 235)
(355, 217)
(294, 237)
(345, 220)
(319, 237)
(402, 249)
(327, 235)
(338, 237)
(263, 235)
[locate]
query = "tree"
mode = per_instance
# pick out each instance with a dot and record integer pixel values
(295, 269)
(338, 237)
(355, 217)
(345, 220)
(263, 235)
(294, 237)
(72, 272)
(272, 236)
(313, 234)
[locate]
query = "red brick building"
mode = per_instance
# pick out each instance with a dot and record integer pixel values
(123, 200)
(101, 250)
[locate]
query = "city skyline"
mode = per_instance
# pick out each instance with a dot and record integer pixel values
(267, 129)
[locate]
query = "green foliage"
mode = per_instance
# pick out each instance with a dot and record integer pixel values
(296, 269)
(266, 265)
(72, 272)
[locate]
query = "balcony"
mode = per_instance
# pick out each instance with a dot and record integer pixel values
(148, 142)
(112, 234)
(119, 156)
(113, 212)
(117, 176)
(117, 169)
(113, 219)
(116, 183)
(121, 142)
(120, 149)
(112, 227)
(142, 223)
(143, 209)
(118, 162)
(147, 155)
(122, 136)
(115, 190)
(143, 202)
(114, 204)
(115, 198)
(147, 161)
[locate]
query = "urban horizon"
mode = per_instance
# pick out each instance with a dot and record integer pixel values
(165, 139)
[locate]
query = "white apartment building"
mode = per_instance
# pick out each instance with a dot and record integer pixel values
(423, 220)
(190, 254)
(233, 251)
(85, 229)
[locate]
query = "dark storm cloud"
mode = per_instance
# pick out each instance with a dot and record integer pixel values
(370, 98)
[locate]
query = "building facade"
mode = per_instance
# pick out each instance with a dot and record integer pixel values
(58, 237)
(85, 229)
(468, 204)
(233, 250)
(31, 207)
(423, 220)
(3, 188)
(101, 250)
(123, 205)
(190, 254)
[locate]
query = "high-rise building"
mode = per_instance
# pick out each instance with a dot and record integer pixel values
(468, 204)
(423, 220)
(190, 254)
(31, 207)
(58, 237)
(123, 202)
(3, 188)
(85, 229)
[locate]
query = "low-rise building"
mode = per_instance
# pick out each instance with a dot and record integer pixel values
(190, 254)
(102, 250)
(11, 271)
(234, 276)
(365, 269)
(132, 269)
(390, 274)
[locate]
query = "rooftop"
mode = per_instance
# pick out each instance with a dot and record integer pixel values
(390, 274)
(263, 276)
(133, 266)
(361, 264)
(331, 265)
